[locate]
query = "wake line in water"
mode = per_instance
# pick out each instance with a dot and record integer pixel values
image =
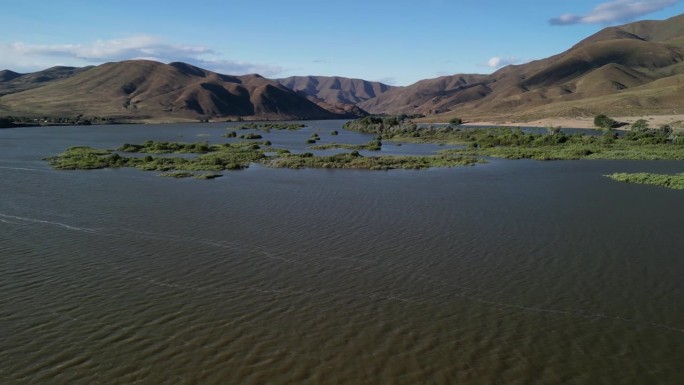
(22, 220)
(112, 232)
(22, 169)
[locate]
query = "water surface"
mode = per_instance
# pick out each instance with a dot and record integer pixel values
(515, 272)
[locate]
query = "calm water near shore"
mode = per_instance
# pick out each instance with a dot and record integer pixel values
(511, 272)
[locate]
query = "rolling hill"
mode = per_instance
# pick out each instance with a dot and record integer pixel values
(12, 82)
(148, 90)
(628, 70)
(632, 69)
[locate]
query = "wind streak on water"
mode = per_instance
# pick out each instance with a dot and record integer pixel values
(46, 222)
(304, 259)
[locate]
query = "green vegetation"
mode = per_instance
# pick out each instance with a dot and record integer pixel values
(334, 132)
(456, 122)
(186, 174)
(235, 156)
(80, 119)
(640, 125)
(516, 144)
(250, 136)
(6, 123)
(228, 156)
(354, 160)
(374, 145)
(230, 134)
(675, 181)
(511, 143)
(153, 147)
(640, 144)
(387, 127)
(602, 121)
(272, 126)
(177, 174)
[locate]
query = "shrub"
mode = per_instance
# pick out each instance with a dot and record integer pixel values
(604, 122)
(250, 136)
(6, 123)
(640, 125)
(665, 130)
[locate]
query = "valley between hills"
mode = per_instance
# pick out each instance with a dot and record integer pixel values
(629, 71)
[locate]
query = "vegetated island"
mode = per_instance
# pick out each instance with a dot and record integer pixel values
(267, 127)
(675, 182)
(640, 143)
(234, 156)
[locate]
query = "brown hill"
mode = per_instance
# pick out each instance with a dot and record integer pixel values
(336, 93)
(11, 82)
(619, 70)
(142, 89)
(335, 89)
(7, 75)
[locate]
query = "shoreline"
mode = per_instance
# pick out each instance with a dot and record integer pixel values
(584, 122)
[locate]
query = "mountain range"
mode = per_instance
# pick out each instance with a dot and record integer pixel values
(633, 69)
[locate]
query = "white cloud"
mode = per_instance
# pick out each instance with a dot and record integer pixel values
(31, 57)
(614, 11)
(230, 67)
(498, 61)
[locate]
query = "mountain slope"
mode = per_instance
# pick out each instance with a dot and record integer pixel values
(11, 82)
(607, 65)
(336, 93)
(335, 89)
(142, 89)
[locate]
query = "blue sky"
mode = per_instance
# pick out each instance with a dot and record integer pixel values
(398, 42)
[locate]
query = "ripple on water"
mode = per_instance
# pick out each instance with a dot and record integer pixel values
(282, 276)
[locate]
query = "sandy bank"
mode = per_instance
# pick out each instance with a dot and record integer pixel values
(588, 122)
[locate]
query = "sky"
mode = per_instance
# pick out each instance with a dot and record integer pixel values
(396, 42)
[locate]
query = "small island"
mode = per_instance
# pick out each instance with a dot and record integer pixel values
(675, 182)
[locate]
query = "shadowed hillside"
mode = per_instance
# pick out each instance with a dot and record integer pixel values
(336, 93)
(630, 69)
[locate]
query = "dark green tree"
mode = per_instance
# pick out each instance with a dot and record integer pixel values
(603, 121)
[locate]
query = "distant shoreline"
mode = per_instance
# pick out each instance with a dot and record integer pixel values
(585, 122)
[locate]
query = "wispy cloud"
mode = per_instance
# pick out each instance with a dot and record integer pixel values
(614, 11)
(30, 57)
(497, 62)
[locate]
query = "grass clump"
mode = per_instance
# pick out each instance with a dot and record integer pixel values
(272, 126)
(228, 156)
(354, 160)
(177, 174)
(675, 181)
(375, 145)
(250, 136)
(187, 174)
(86, 158)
